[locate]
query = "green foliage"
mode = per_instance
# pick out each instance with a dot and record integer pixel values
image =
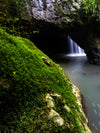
(15, 18)
(13, 8)
(19, 27)
(89, 9)
(89, 5)
(25, 80)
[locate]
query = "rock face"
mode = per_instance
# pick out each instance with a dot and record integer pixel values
(88, 37)
(52, 10)
(94, 56)
(60, 12)
(93, 50)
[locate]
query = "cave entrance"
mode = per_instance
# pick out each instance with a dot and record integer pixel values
(55, 41)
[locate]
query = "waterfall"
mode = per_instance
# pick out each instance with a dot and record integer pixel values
(74, 49)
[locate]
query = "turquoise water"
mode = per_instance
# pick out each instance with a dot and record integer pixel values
(87, 78)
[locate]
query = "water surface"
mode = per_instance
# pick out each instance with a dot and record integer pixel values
(87, 78)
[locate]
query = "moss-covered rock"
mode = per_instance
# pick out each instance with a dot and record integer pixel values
(27, 75)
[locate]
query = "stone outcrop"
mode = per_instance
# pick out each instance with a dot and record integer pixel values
(52, 10)
(93, 47)
(93, 55)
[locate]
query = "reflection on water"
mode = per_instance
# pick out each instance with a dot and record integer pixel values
(87, 78)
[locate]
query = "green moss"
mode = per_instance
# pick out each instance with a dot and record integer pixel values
(25, 79)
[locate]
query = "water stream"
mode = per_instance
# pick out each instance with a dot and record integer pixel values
(87, 78)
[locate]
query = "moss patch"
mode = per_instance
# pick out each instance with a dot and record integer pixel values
(25, 80)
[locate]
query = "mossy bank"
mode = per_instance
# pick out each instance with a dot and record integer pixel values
(35, 95)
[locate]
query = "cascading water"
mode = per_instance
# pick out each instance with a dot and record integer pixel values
(74, 49)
